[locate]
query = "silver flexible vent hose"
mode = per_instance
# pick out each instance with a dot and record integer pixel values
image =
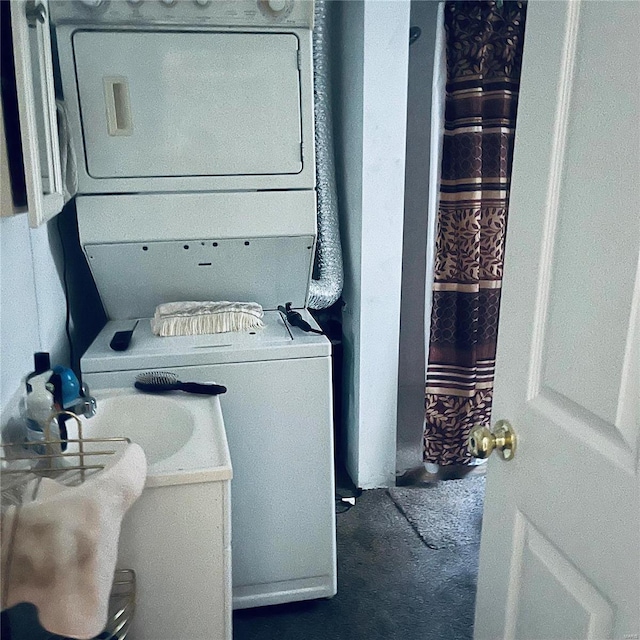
(326, 285)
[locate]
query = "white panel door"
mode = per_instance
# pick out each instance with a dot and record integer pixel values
(189, 104)
(560, 553)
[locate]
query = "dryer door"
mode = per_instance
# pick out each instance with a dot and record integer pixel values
(171, 104)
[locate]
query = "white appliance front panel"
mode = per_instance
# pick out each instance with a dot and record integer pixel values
(278, 420)
(168, 104)
(145, 217)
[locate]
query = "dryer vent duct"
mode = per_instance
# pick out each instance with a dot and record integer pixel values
(326, 284)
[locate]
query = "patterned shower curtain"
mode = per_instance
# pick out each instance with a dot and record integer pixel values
(484, 55)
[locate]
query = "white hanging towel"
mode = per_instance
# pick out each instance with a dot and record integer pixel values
(59, 550)
(67, 154)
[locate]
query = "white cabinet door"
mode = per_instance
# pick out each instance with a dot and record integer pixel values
(560, 553)
(37, 109)
(7, 207)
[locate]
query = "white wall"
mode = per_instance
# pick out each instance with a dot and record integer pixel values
(371, 97)
(32, 310)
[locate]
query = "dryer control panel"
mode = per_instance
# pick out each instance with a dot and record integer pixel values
(216, 13)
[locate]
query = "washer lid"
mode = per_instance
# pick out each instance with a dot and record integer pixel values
(147, 249)
(133, 278)
(276, 341)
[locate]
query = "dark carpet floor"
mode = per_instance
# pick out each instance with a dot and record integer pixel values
(445, 515)
(391, 586)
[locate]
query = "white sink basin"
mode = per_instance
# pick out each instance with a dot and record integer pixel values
(181, 434)
(160, 424)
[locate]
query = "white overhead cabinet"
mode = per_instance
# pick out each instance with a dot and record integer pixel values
(7, 205)
(37, 109)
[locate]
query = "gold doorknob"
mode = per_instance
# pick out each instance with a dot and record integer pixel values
(503, 439)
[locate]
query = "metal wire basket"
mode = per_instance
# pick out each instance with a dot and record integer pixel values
(23, 462)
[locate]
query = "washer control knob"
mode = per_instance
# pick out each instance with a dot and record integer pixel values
(275, 9)
(277, 5)
(135, 3)
(93, 4)
(202, 3)
(168, 3)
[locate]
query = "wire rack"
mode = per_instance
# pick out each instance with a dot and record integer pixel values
(23, 462)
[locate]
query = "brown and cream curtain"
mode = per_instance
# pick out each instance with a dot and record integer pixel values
(484, 54)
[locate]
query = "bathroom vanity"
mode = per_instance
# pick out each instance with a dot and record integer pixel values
(178, 533)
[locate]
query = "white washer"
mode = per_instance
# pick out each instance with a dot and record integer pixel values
(278, 420)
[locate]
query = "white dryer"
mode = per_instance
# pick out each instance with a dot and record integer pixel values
(179, 95)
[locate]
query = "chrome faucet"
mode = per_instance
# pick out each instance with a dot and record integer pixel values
(86, 404)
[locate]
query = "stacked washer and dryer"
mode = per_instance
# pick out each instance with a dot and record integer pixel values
(192, 122)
